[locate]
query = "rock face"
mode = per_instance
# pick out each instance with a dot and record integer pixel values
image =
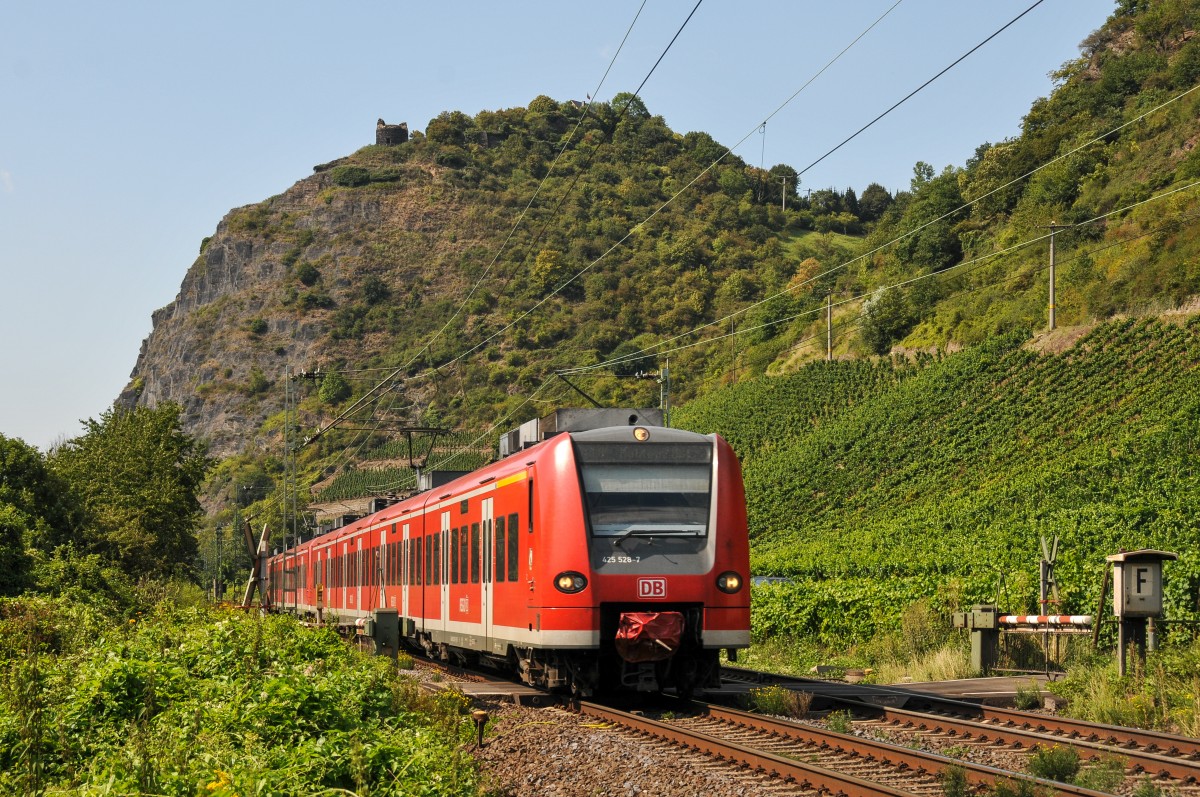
(271, 286)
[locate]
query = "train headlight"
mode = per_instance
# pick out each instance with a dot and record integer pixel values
(729, 582)
(570, 582)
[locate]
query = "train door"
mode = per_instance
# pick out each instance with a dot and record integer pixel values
(356, 566)
(485, 585)
(440, 564)
(405, 570)
(382, 568)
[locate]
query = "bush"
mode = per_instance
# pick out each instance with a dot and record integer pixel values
(308, 274)
(178, 699)
(1054, 763)
(1028, 698)
(257, 326)
(954, 782)
(840, 722)
(350, 176)
(780, 701)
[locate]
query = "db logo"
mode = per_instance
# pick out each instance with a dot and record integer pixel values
(652, 588)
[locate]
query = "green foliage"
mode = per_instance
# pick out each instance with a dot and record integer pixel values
(1028, 698)
(334, 388)
(308, 274)
(185, 702)
(375, 290)
(1105, 774)
(780, 701)
(314, 300)
(349, 176)
(1010, 788)
(136, 475)
(1055, 762)
(873, 486)
(36, 512)
(257, 382)
(954, 782)
(1164, 694)
(840, 722)
(1146, 788)
(257, 326)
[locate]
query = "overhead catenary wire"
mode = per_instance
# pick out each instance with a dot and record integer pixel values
(563, 285)
(592, 99)
(955, 269)
(371, 395)
(654, 349)
(918, 89)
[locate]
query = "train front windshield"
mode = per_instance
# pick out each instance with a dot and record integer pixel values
(646, 489)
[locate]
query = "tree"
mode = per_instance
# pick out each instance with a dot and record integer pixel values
(630, 106)
(886, 318)
(850, 202)
(334, 388)
(874, 201)
(137, 475)
(375, 290)
(35, 511)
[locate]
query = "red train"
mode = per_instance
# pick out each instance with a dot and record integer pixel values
(594, 560)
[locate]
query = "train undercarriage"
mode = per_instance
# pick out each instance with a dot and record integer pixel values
(640, 651)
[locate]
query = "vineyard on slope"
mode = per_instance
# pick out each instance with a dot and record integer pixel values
(873, 487)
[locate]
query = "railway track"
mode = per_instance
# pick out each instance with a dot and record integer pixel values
(812, 758)
(1164, 756)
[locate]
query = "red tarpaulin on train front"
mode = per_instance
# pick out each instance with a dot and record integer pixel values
(649, 636)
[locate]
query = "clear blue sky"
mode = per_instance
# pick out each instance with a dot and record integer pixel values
(128, 129)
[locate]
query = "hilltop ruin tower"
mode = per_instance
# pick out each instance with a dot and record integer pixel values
(388, 135)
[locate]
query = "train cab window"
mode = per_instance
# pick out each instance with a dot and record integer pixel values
(500, 551)
(638, 490)
(514, 542)
(474, 553)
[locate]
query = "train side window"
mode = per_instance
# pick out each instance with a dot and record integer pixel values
(460, 554)
(453, 563)
(514, 541)
(474, 553)
(500, 551)
(431, 553)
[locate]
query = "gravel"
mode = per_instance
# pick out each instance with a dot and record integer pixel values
(551, 751)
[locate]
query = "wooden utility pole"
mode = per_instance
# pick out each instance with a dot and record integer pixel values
(1054, 228)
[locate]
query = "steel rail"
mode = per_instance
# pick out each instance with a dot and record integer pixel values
(1140, 761)
(807, 776)
(1168, 744)
(904, 758)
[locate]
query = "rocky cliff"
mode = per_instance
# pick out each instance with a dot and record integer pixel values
(268, 286)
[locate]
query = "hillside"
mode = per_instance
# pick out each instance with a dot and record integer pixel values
(466, 265)
(882, 484)
(401, 257)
